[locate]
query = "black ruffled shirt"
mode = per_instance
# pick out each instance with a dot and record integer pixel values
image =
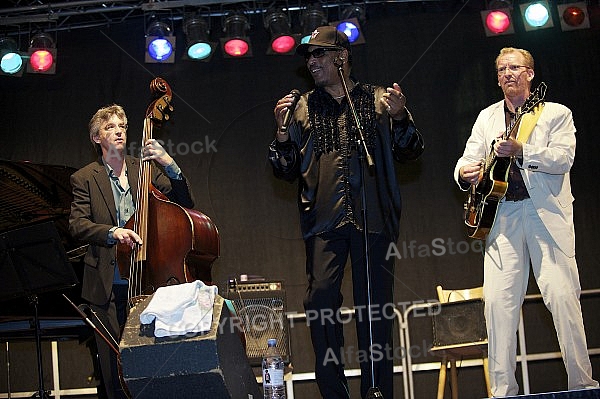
(323, 154)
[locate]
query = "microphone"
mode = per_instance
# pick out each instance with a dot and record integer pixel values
(287, 117)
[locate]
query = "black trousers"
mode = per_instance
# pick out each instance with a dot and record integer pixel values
(111, 317)
(327, 255)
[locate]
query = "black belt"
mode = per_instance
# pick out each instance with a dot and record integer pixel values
(514, 198)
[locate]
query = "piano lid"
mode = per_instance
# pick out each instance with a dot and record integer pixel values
(32, 192)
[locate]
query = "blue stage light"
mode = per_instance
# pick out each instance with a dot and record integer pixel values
(160, 43)
(351, 30)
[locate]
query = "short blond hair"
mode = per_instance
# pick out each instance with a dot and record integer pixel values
(526, 55)
(101, 116)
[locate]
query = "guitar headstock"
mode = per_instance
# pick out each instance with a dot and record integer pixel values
(536, 97)
(159, 110)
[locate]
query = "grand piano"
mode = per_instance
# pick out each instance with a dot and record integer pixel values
(32, 194)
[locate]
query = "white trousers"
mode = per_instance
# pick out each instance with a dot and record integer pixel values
(518, 237)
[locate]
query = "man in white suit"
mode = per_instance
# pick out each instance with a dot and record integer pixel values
(534, 223)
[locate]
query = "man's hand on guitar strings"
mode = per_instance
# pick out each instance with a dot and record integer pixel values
(508, 148)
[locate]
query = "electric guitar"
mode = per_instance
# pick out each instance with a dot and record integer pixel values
(482, 200)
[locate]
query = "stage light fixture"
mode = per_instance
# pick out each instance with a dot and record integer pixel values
(11, 61)
(236, 43)
(497, 22)
(573, 16)
(351, 28)
(282, 40)
(42, 54)
(350, 23)
(497, 18)
(198, 47)
(536, 15)
(311, 19)
(160, 43)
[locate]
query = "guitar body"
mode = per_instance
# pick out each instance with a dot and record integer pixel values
(482, 202)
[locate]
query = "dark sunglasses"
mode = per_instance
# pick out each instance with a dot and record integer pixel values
(318, 52)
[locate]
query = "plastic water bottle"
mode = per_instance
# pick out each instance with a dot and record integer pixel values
(272, 372)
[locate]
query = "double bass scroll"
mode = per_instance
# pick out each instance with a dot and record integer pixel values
(160, 110)
(179, 244)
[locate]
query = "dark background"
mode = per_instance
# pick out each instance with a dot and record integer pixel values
(445, 65)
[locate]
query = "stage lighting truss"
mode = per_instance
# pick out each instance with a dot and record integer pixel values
(311, 19)
(235, 43)
(536, 15)
(350, 23)
(198, 46)
(11, 60)
(160, 43)
(283, 41)
(573, 16)
(42, 54)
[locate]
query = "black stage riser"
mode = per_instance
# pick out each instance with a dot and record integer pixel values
(211, 366)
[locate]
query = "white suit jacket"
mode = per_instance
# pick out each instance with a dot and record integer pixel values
(547, 159)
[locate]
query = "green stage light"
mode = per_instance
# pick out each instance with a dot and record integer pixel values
(536, 15)
(11, 61)
(198, 47)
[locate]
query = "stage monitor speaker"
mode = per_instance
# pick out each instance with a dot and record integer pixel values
(211, 365)
(459, 322)
(261, 309)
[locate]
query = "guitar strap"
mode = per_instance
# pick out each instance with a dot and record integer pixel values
(528, 122)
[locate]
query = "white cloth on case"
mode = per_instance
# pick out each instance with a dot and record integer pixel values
(181, 309)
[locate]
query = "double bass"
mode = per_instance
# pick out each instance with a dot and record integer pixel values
(179, 244)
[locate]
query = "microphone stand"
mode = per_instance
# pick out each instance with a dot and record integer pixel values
(373, 392)
(361, 139)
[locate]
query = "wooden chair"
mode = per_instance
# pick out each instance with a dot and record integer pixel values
(451, 353)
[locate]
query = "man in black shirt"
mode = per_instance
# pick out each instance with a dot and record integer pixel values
(321, 149)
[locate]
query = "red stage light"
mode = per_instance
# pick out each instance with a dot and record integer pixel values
(42, 54)
(236, 43)
(283, 44)
(497, 21)
(574, 16)
(236, 47)
(41, 60)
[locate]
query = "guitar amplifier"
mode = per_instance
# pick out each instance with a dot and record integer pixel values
(459, 322)
(261, 310)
